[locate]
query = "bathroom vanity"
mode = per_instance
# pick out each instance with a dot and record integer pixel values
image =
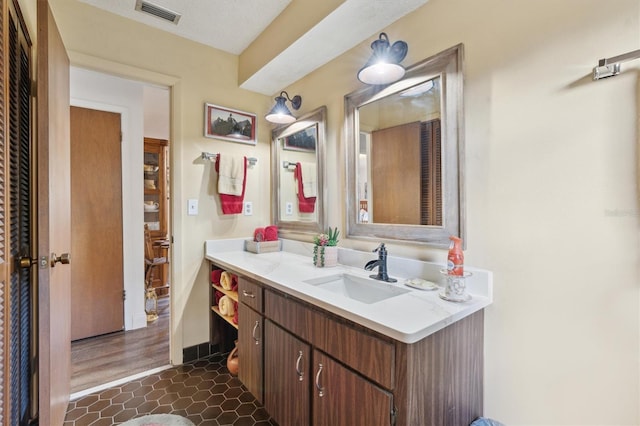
(315, 356)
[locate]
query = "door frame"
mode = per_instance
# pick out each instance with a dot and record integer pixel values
(177, 308)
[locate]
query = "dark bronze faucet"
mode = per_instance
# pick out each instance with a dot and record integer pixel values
(381, 263)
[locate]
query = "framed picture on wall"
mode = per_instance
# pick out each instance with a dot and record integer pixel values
(303, 140)
(229, 124)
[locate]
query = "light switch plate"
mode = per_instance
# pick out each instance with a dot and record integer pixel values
(248, 208)
(192, 207)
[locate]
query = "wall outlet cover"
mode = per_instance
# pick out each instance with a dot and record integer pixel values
(248, 208)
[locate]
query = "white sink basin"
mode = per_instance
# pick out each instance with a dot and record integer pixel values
(357, 288)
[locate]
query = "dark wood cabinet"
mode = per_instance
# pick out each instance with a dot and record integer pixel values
(293, 369)
(250, 337)
(250, 349)
(342, 397)
(312, 367)
(287, 376)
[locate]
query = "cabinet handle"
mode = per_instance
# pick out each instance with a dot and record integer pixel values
(298, 362)
(318, 386)
(253, 333)
(245, 293)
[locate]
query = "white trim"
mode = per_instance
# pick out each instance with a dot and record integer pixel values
(80, 394)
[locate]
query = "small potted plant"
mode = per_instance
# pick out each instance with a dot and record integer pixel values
(325, 250)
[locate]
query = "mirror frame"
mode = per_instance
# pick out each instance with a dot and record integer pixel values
(448, 65)
(319, 117)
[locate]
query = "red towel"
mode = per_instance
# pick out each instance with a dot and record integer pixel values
(215, 276)
(271, 233)
(218, 296)
(258, 235)
(235, 316)
(234, 283)
(232, 204)
(305, 205)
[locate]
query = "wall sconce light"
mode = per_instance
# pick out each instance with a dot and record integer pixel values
(384, 65)
(280, 114)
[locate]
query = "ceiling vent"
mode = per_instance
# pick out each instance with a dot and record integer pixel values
(157, 11)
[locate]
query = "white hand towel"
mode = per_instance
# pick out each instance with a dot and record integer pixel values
(309, 188)
(230, 174)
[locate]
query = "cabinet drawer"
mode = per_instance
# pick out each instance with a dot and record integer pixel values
(293, 316)
(250, 293)
(362, 351)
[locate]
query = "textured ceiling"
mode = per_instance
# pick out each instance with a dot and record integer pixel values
(232, 26)
(226, 25)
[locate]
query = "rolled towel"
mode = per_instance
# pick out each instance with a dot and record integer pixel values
(225, 280)
(215, 276)
(258, 235)
(271, 233)
(218, 295)
(234, 282)
(226, 306)
(235, 316)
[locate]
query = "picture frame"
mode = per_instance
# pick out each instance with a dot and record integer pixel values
(302, 140)
(229, 124)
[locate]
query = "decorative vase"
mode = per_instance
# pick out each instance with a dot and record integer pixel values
(232, 361)
(325, 256)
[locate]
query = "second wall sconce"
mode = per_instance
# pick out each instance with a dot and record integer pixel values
(280, 114)
(384, 65)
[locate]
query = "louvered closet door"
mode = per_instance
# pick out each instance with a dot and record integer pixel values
(16, 284)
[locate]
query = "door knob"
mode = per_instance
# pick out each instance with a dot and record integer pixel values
(64, 258)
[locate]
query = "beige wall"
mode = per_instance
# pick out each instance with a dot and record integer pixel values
(197, 74)
(551, 184)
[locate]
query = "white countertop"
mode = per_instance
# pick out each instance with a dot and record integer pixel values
(407, 317)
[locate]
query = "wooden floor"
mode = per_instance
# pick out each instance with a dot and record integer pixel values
(99, 360)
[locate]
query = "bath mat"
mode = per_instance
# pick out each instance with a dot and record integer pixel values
(159, 420)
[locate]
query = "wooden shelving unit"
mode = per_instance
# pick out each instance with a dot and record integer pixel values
(233, 295)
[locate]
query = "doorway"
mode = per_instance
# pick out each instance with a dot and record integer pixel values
(145, 112)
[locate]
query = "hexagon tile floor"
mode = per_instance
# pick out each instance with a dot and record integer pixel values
(203, 391)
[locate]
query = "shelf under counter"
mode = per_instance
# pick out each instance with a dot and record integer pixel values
(233, 295)
(224, 317)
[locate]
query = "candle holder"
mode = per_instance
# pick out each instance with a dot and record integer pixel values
(455, 289)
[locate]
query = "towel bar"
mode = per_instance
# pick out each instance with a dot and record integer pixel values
(288, 165)
(214, 157)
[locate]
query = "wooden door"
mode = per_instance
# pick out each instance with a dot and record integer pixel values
(97, 276)
(250, 345)
(396, 196)
(287, 377)
(53, 227)
(341, 397)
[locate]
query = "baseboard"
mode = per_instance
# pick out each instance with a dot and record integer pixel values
(195, 352)
(139, 320)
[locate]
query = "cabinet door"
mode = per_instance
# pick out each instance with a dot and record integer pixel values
(286, 377)
(341, 397)
(250, 347)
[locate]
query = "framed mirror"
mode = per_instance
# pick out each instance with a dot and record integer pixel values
(404, 156)
(297, 174)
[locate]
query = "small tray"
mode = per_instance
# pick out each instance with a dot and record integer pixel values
(262, 246)
(464, 298)
(421, 284)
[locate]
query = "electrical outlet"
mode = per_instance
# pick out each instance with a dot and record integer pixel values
(192, 207)
(248, 208)
(289, 209)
